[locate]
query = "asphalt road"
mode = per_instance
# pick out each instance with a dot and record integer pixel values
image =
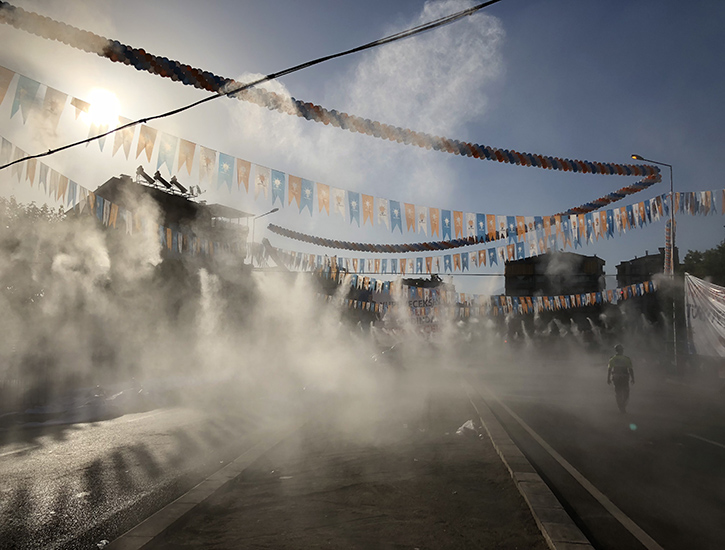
(661, 463)
(74, 485)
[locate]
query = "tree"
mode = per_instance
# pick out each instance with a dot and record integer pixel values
(709, 264)
(22, 223)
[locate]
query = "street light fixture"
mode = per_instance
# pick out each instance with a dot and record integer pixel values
(254, 223)
(672, 250)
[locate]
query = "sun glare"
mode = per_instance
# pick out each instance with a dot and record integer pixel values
(104, 108)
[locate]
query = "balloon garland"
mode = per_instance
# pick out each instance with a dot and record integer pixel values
(615, 196)
(141, 60)
(416, 247)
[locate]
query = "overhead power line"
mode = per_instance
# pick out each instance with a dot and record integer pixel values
(14, 16)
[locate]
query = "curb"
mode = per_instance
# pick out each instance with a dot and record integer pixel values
(556, 525)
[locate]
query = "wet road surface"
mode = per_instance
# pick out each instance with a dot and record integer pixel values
(64, 486)
(660, 463)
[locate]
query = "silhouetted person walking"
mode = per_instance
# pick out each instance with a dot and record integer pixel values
(620, 371)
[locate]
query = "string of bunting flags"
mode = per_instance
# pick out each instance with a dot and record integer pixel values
(470, 305)
(143, 61)
(527, 236)
(70, 194)
(227, 170)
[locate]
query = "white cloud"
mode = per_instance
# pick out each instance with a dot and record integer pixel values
(435, 82)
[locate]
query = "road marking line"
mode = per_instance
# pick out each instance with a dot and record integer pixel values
(612, 508)
(144, 416)
(16, 451)
(701, 439)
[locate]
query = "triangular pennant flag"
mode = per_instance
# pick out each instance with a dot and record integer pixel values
(25, 93)
(43, 177)
(167, 151)
(294, 190)
(81, 107)
(354, 203)
(226, 171)
(481, 228)
(410, 217)
(53, 106)
(72, 193)
(323, 198)
(446, 224)
(18, 167)
(368, 208)
(6, 151)
(278, 185)
(470, 224)
(490, 227)
(306, 195)
(207, 164)
(6, 76)
(186, 154)
(435, 219)
(96, 130)
(30, 172)
(146, 141)
(338, 201)
(123, 137)
(422, 215)
(243, 170)
(458, 224)
(53, 187)
(396, 219)
(261, 181)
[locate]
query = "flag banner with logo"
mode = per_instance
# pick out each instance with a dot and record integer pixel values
(705, 316)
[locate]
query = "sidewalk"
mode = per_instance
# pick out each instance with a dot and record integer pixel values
(391, 480)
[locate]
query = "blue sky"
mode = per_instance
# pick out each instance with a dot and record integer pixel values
(576, 79)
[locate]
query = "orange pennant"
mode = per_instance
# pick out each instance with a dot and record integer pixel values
(146, 141)
(323, 197)
(6, 75)
(435, 222)
(295, 189)
(244, 167)
(186, 154)
(410, 217)
(368, 202)
(458, 224)
(491, 227)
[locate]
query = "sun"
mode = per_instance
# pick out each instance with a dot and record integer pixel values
(104, 108)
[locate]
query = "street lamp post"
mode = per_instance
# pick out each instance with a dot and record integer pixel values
(254, 223)
(672, 251)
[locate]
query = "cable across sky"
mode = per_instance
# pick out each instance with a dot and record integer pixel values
(223, 87)
(141, 60)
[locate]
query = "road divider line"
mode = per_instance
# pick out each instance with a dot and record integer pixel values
(608, 505)
(22, 450)
(556, 525)
(701, 439)
(137, 537)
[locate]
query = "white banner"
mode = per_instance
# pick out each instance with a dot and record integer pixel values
(705, 311)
